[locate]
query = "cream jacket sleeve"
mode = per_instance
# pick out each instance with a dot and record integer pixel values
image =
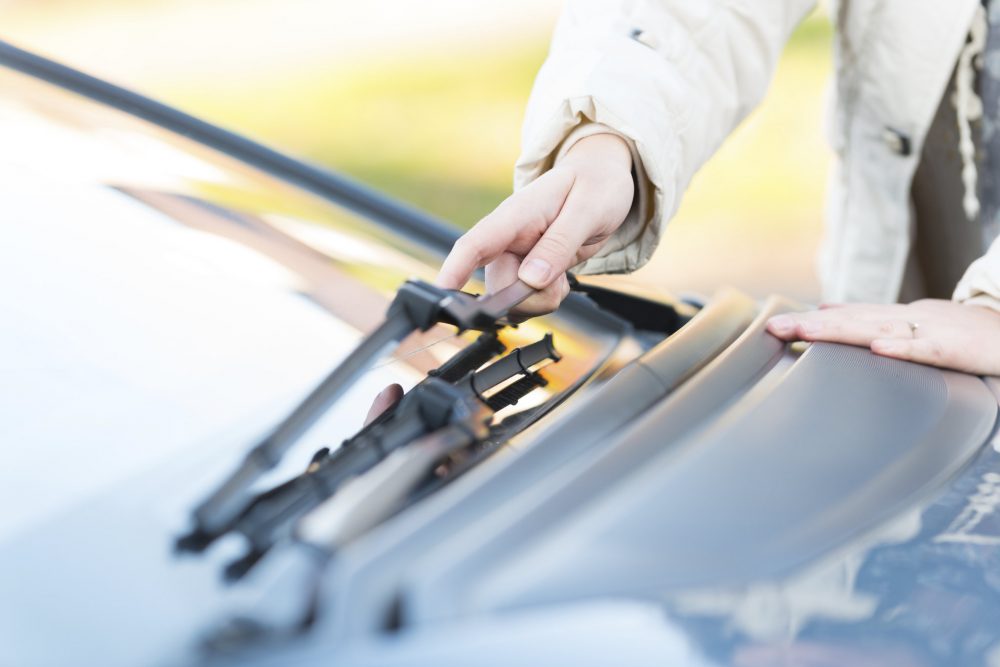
(980, 286)
(673, 77)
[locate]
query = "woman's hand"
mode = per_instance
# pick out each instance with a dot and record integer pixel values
(385, 399)
(556, 222)
(934, 332)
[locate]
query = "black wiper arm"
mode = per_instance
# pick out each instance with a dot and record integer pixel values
(417, 306)
(372, 498)
(347, 492)
(429, 407)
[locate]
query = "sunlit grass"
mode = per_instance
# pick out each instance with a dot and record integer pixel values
(433, 116)
(441, 129)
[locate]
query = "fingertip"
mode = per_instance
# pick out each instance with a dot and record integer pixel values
(446, 281)
(782, 326)
(473, 249)
(451, 275)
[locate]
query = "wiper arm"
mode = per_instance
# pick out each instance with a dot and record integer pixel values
(429, 407)
(417, 306)
(322, 526)
(367, 500)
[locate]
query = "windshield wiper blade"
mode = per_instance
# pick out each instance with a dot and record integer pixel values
(367, 500)
(361, 504)
(417, 306)
(319, 526)
(429, 407)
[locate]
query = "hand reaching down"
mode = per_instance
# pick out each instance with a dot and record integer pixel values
(556, 222)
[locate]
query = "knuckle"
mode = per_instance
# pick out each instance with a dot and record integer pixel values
(556, 244)
(520, 213)
(523, 214)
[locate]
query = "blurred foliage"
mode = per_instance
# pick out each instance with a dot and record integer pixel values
(440, 129)
(433, 115)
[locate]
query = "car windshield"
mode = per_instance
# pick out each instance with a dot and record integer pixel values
(161, 297)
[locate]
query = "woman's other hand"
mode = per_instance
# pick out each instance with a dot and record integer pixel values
(935, 332)
(559, 220)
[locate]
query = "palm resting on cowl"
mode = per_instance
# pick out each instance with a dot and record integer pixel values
(940, 333)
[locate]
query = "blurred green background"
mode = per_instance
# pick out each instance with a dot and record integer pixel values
(425, 100)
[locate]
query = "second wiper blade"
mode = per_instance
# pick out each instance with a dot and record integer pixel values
(417, 305)
(429, 407)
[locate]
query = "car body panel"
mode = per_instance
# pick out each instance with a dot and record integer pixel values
(166, 305)
(171, 290)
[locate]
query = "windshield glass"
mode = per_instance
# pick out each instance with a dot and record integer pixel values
(161, 297)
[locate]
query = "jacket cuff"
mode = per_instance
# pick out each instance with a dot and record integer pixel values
(980, 286)
(634, 242)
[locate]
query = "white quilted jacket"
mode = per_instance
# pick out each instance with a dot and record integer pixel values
(675, 77)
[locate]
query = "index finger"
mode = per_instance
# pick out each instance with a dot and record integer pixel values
(530, 209)
(477, 247)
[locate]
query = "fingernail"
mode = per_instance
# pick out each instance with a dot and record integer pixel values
(781, 324)
(535, 272)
